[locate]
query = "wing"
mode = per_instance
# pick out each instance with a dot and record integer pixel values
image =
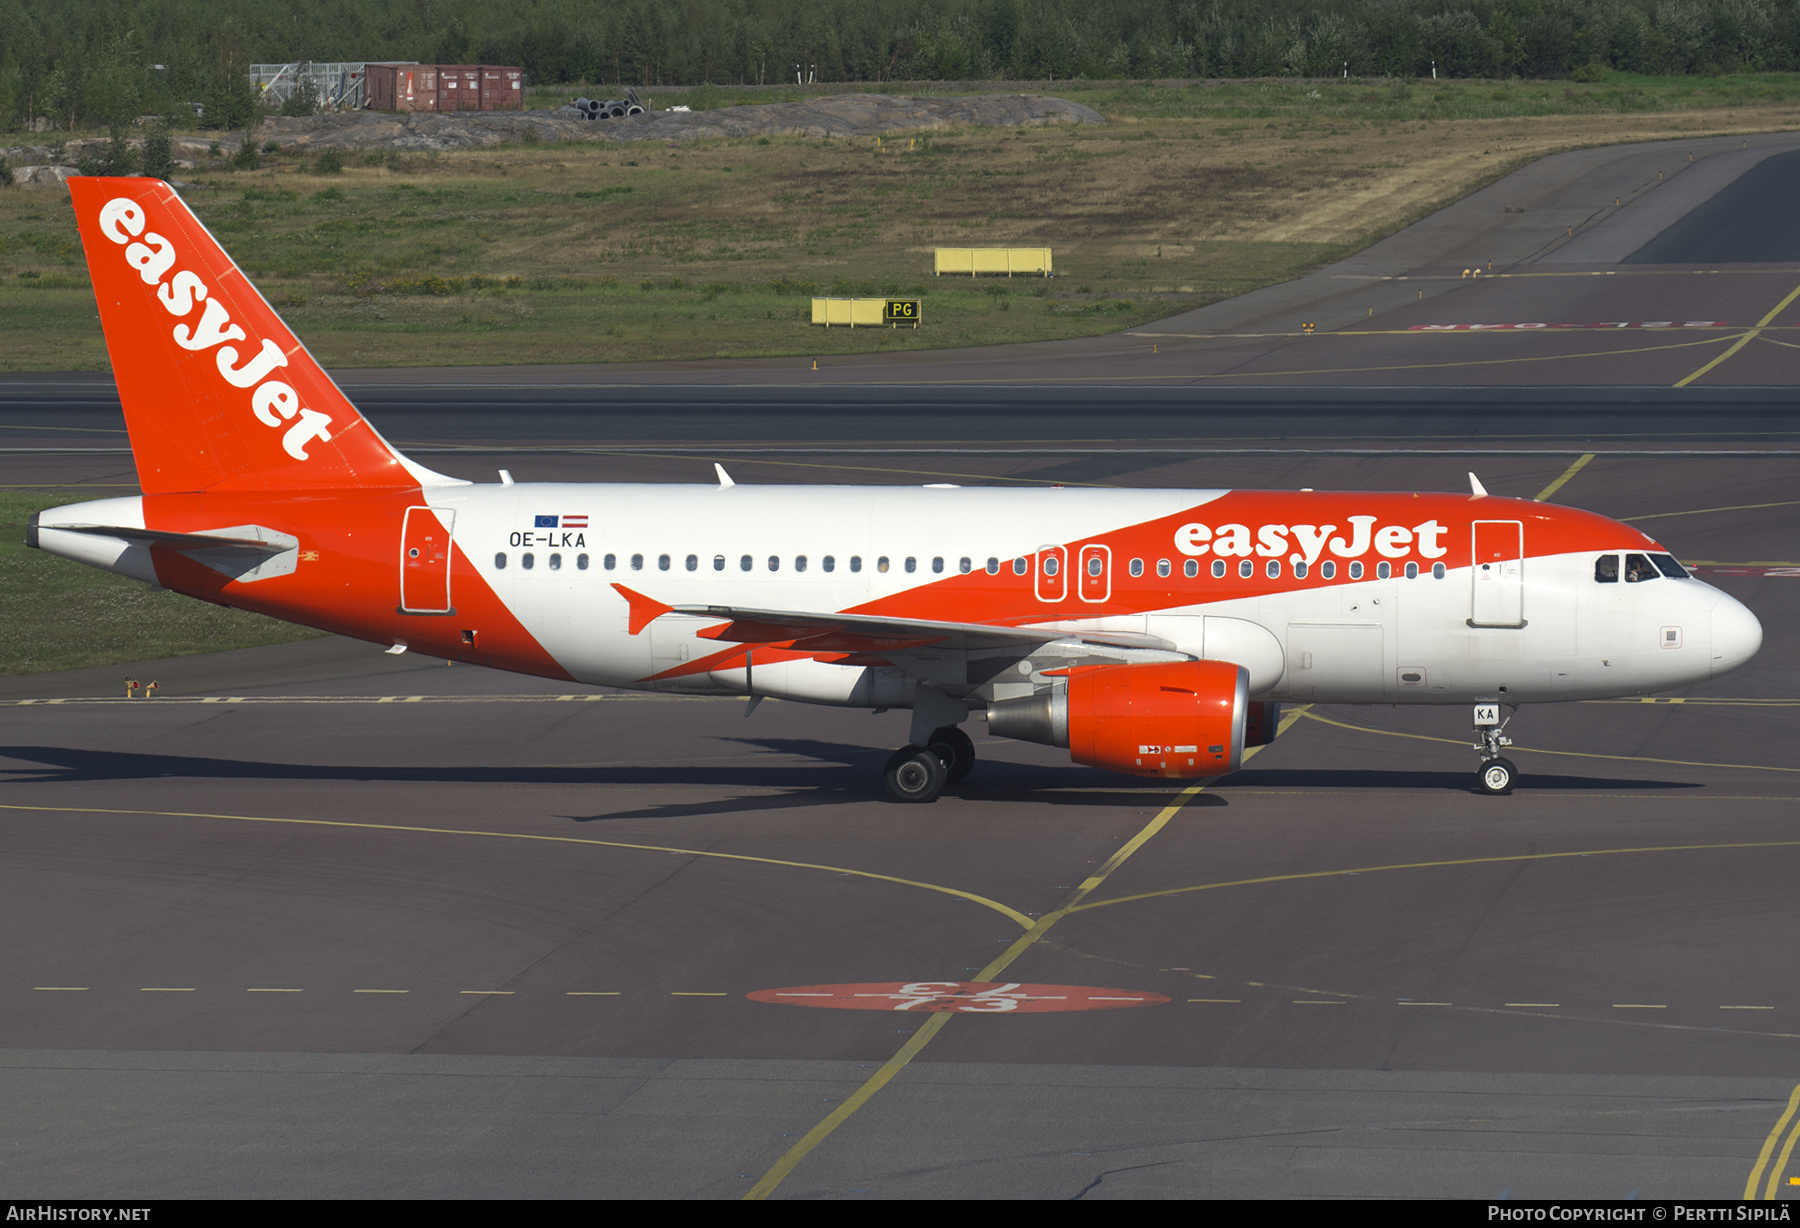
(870, 639)
(862, 633)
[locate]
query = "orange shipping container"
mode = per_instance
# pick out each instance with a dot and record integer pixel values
(403, 87)
(445, 87)
(502, 89)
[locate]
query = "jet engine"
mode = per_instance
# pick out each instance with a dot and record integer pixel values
(1174, 719)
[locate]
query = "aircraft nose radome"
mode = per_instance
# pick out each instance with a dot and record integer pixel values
(1736, 635)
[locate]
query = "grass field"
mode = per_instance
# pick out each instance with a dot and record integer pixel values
(646, 251)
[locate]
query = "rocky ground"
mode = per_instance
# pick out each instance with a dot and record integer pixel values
(844, 115)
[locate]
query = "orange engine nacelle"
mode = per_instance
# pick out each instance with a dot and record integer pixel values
(1178, 719)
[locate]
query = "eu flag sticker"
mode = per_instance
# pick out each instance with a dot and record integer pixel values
(546, 522)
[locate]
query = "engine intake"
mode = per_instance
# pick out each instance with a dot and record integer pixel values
(1174, 719)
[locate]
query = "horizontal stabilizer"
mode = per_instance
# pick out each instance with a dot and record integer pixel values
(267, 541)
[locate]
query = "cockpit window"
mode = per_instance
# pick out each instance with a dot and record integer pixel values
(1606, 569)
(1639, 568)
(1666, 564)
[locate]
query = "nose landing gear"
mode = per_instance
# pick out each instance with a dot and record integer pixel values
(1497, 775)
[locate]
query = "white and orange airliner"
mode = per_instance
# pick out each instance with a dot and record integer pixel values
(1155, 632)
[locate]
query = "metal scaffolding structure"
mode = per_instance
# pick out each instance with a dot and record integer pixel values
(341, 86)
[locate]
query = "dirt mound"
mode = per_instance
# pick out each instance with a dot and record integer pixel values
(844, 115)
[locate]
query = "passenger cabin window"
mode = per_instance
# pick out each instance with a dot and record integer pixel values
(912, 564)
(881, 564)
(1020, 567)
(499, 562)
(1299, 571)
(693, 562)
(1639, 568)
(526, 560)
(1246, 569)
(1050, 564)
(1191, 568)
(1412, 571)
(937, 566)
(1356, 569)
(1272, 569)
(1437, 571)
(662, 562)
(993, 567)
(581, 562)
(1218, 569)
(800, 562)
(1606, 569)
(746, 563)
(637, 562)
(556, 562)
(1328, 569)
(610, 561)
(1137, 567)
(1383, 570)
(774, 563)
(856, 562)
(829, 563)
(964, 566)
(718, 562)
(1162, 567)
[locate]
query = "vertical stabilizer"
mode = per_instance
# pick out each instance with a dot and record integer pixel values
(218, 393)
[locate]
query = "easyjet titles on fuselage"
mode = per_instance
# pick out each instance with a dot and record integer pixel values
(1310, 541)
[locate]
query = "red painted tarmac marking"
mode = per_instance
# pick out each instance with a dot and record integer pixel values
(970, 997)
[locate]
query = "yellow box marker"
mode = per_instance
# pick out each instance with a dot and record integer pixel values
(490, 993)
(271, 991)
(1007, 260)
(592, 993)
(164, 989)
(380, 991)
(677, 993)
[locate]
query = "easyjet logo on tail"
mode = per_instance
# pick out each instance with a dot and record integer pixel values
(274, 402)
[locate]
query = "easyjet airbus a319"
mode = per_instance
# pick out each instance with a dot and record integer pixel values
(1155, 632)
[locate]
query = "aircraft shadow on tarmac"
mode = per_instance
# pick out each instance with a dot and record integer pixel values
(840, 770)
(843, 772)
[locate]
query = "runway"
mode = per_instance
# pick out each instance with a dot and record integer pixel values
(320, 921)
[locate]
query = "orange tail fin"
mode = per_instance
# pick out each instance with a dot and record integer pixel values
(217, 392)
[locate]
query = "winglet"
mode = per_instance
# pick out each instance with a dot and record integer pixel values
(725, 481)
(644, 610)
(1476, 488)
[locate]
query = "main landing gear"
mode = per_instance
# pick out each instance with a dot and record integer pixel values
(1497, 775)
(919, 774)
